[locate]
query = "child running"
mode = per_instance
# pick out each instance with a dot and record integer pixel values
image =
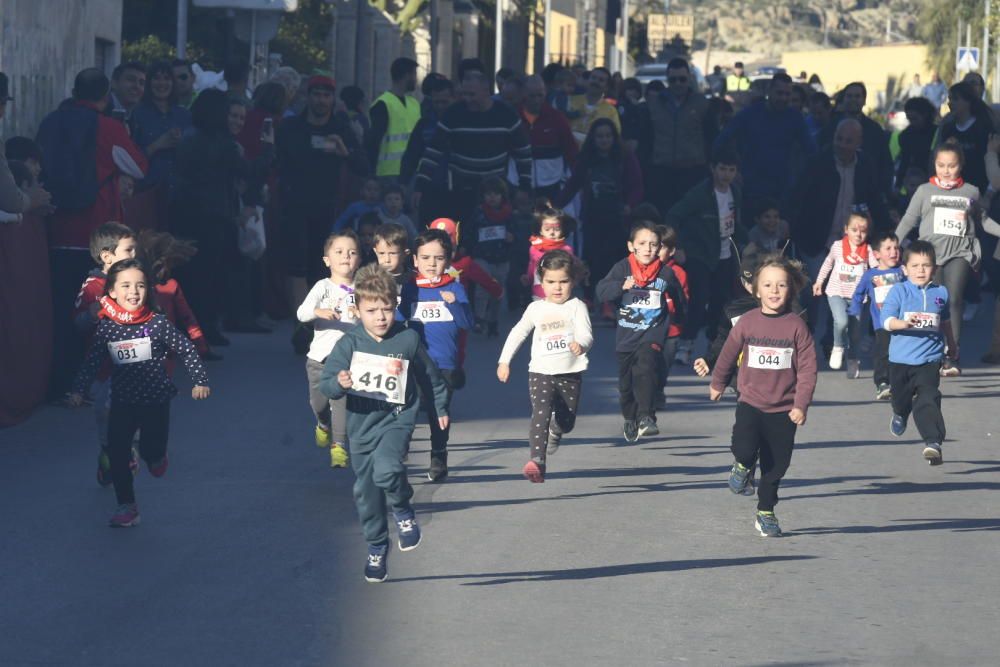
(641, 284)
(392, 249)
(558, 358)
(844, 266)
(776, 357)
(330, 308)
(377, 366)
(874, 287)
(916, 312)
(552, 227)
(668, 247)
(137, 340)
(438, 309)
(491, 248)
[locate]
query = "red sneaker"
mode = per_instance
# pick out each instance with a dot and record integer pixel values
(125, 516)
(159, 469)
(535, 472)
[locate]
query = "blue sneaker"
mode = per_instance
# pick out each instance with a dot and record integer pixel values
(377, 567)
(932, 454)
(409, 531)
(738, 478)
(767, 524)
(897, 426)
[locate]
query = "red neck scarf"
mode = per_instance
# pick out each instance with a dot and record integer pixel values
(947, 185)
(853, 257)
(497, 215)
(643, 275)
(431, 283)
(547, 245)
(112, 311)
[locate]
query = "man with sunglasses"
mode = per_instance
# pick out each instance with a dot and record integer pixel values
(682, 136)
(183, 82)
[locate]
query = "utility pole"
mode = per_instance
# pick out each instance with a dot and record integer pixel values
(547, 37)
(498, 48)
(985, 58)
(182, 28)
(624, 66)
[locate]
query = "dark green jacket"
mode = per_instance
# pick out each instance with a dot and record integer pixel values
(369, 419)
(696, 219)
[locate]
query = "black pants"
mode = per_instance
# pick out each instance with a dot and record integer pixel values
(710, 290)
(767, 437)
(68, 267)
(439, 436)
(123, 422)
(639, 381)
(880, 357)
(915, 389)
(554, 399)
(667, 185)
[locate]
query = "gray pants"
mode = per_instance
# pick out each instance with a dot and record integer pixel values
(331, 415)
(488, 306)
(954, 275)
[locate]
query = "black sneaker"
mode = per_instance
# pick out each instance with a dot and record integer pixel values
(647, 426)
(932, 452)
(897, 426)
(631, 430)
(767, 524)
(439, 468)
(377, 565)
(409, 531)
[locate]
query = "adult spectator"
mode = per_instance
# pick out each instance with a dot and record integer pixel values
(474, 141)
(24, 150)
(354, 104)
(820, 114)
(816, 84)
(269, 101)
(634, 114)
(915, 89)
(553, 147)
(874, 142)
(439, 94)
(393, 116)
(158, 123)
(766, 135)
(512, 91)
(916, 140)
(969, 124)
(313, 148)
(549, 77)
(128, 84)
(936, 91)
(716, 81)
(290, 81)
(183, 82)
(592, 104)
(12, 198)
(682, 135)
(737, 82)
(237, 77)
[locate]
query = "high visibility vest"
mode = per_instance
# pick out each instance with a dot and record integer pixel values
(402, 120)
(736, 84)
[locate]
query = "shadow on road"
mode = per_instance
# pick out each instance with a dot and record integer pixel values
(954, 525)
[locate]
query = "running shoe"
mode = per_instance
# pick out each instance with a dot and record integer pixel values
(738, 478)
(126, 516)
(631, 430)
(767, 524)
(836, 358)
(932, 453)
(751, 487)
(950, 369)
(853, 369)
(409, 531)
(323, 437)
(338, 456)
(534, 471)
(377, 564)
(103, 469)
(884, 392)
(438, 471)
(552, 445)
(897, 426)
(647, 426)
(159, 469)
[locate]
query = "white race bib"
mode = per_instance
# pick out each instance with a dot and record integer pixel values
(727, 226)
(380, 378)
(346, 308)
(881, 292)
(644, 299)
(949, 221)
(130, 351)
(850, 273)
(552, 337)
(769, 358)
(925, 321)
(493, 233)
(432, 311)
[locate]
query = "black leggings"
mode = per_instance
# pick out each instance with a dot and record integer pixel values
(769, 437)
(123, 421)
(554, 399)
(639, 381)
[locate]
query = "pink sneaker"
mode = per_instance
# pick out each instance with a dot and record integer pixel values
(125, 516)
(159, 469)
(535, 472)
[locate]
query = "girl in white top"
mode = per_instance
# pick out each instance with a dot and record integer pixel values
(562, 337)
(329, 306)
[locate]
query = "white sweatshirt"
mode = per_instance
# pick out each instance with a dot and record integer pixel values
(555, 327)
(327, 295)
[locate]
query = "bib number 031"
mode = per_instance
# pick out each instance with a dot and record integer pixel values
(130, 351)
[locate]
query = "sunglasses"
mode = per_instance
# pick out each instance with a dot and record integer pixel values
(677, 79)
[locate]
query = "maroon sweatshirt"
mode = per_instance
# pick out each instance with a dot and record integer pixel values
(777, 362)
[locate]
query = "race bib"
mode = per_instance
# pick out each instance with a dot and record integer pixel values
(493, 233)
(925, 321)
(553, 337)
(432, 311)
(727, 226)
(949, 221)
(769, 358)
(850, 273)
(346, 308)
(644, 299)
(377, 377)
(881, 292)
(130, 351)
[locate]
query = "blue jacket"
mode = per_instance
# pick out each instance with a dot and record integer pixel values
(440, 337)
(349, 218)
(874, 287)
(914, 346)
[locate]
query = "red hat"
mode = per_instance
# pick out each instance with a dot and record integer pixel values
(448, 226)
(320, 81)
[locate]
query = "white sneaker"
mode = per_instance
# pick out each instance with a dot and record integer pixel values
(836, 358)
(970, 312)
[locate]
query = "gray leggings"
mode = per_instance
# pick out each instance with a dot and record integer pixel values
(954, 275)
(331, 415)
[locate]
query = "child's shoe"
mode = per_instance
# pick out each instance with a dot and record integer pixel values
(631, 430)
(897, 426)
(853, 369)
(534, 471)
(932, 453)
(126, 516)
(338, 456)
(323, 437)
(409, 531)
(950, 369)
(552, 445)
(767, 524)
(159, 469)
(739, 477)
(439, 468)
(377, 565)
(836, 358)
(884, 392)
(647, 426)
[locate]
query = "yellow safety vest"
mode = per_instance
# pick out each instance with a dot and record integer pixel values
(737, 83)
(402, 120)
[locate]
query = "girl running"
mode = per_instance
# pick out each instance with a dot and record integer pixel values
(552, 226)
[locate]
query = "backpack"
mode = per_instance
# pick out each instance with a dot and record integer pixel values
(68, 139)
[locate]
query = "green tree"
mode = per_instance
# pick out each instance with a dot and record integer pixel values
(938, 29)
(303, 36)
(151, 48)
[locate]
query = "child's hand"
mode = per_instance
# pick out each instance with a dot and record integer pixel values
(443, 422)
(797, 416)
(74, 400)
(344, 379)
(575, 348)
(526, 280)
(629, 283)
(503, 372)
(200, 392)
(701, 367)
(448, 297)
(326, 314)
(818, 289)
(714, 394)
